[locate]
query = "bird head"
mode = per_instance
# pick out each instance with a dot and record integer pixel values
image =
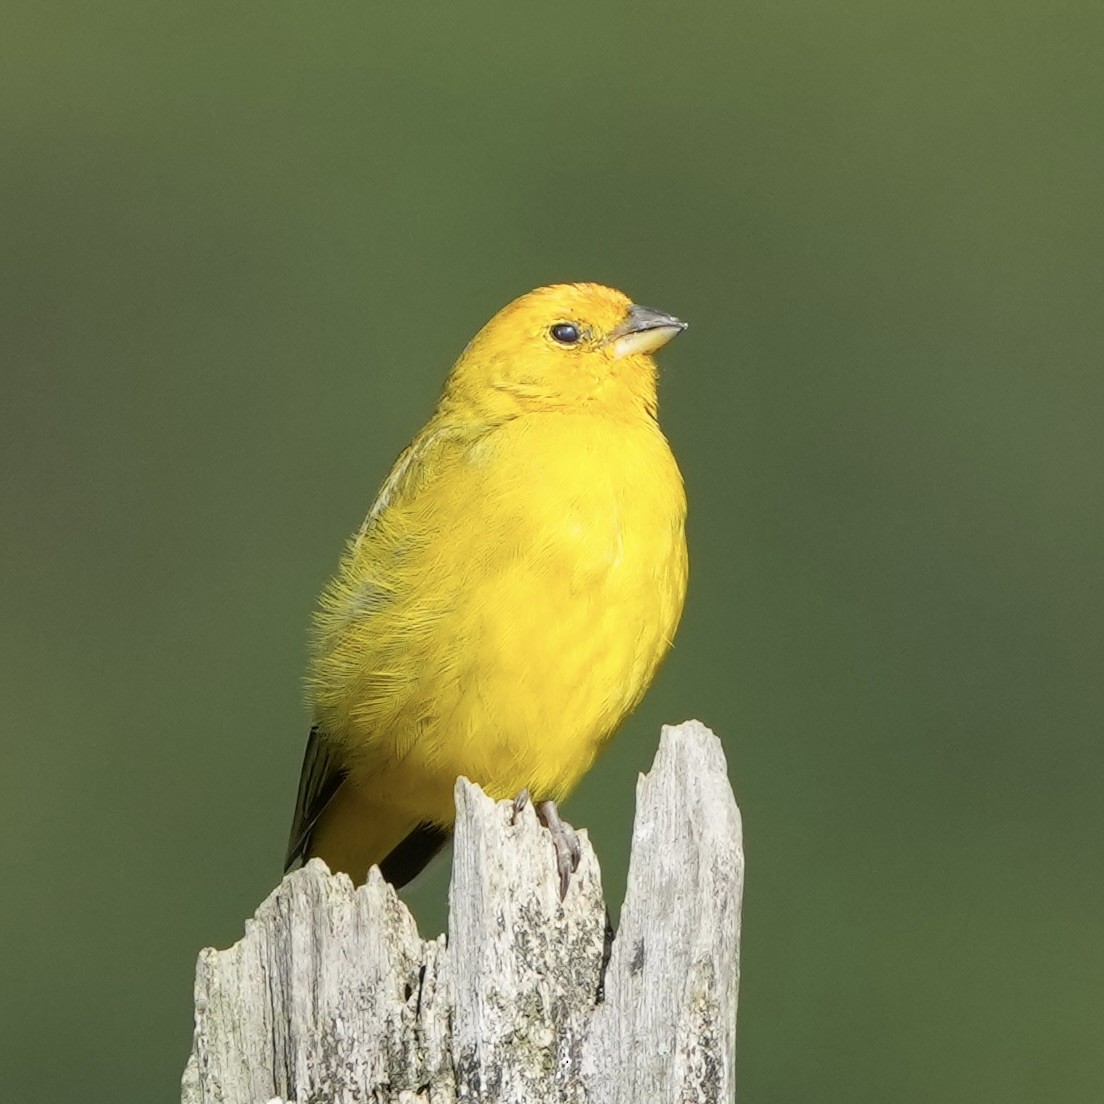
(564, 347)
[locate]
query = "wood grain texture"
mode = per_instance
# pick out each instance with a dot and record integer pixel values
(333, 996)
(666, 1030)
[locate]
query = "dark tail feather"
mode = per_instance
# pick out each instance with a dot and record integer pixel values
(411, 857)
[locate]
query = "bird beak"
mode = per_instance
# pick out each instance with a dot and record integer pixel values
(643, 331)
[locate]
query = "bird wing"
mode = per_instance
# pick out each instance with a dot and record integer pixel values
(364, 588)
(320, 778)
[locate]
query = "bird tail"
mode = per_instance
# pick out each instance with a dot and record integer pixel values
(354, 833)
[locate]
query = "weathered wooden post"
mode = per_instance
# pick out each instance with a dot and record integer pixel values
(332, 996)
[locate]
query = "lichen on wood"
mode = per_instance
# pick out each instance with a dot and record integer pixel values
(332, 995)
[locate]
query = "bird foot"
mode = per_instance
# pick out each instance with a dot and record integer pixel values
(520, 802)
(565, 840)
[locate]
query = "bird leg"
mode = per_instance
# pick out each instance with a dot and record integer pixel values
(564, 838)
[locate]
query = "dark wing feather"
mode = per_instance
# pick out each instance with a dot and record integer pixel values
(320, 778)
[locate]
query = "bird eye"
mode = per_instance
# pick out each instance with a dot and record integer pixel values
(566, 333)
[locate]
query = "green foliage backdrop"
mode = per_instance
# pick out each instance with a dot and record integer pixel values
(240, 246)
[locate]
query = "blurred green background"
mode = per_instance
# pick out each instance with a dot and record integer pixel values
(240, 247)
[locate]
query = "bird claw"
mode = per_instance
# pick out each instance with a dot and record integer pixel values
(564, 839)
(520, 802)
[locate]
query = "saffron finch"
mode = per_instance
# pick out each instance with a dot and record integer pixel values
(510, 595)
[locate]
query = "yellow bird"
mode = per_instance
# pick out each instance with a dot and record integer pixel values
(510, 595)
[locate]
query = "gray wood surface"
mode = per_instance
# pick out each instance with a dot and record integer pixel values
(332, 995)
